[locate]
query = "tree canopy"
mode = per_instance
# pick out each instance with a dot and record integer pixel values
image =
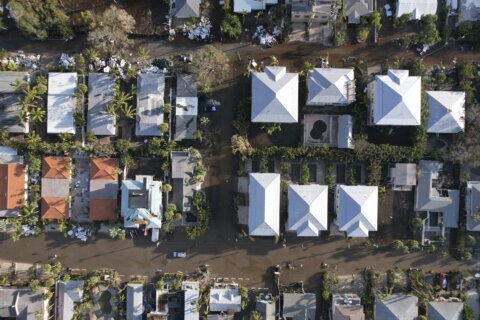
(231, 26)
(210, 65)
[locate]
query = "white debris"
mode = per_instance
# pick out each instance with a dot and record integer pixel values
(27, 230)
(106, 69)
(150, 69)
(66, 61)
(80, 233)
(31, 61)
(265, 38)
(198, 31)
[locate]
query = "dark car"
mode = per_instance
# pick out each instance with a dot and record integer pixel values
(210, 106)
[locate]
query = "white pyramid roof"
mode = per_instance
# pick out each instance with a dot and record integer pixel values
(397, 100)
(275, 96)
(307, 209)
(446, 111)
(329, 86)
(357, 209)
(445, 310)
(417, 8)
(264, 204)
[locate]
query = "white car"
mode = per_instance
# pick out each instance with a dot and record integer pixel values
(179, 254)
(388, 10)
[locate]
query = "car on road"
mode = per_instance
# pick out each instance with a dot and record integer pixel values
(179, 254)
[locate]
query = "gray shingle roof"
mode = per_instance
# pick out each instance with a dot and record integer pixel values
(397, 307)
(444, 310)
(299, 306)
(150, 93)
(429, 198)
(187, 8)
(185, 127)
(68, 293)
(8, 79)
(20, 303)
(354, 9)
(472, 205)
(134, 301)
(100, 95)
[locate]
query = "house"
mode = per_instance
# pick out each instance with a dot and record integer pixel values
(397, 306)
(55, 183)
(100, 95)
(332, 130)
(395, 99)
(472, 205)
(247, 6)
(330, 86)
(12, 185)
(61, 102)
(22, 304)
(347, 306)
(185, 9)
(225, 298)
(135, 301)
(141, 203)
(299, 306)
(314, 11)
(354, 9)
(357, 209)
(10, 93)
(103, 189)
(469, 10)
(446, 111)
(183, 166)
(186, 110)
(417, 8)
(191, 293)
(451, 309)
(266, 308)
(403, 176)
(441, 205)
(264, 204)
(307, 209)
(275, 96)
(150, 92)
(68, 293)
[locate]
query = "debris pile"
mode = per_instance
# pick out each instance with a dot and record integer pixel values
(28, 230)
(80, 233)
(265, 38)
(108, 64)
(31, 61)
(198, 31)
(66, 61)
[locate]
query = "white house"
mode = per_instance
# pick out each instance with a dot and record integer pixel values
(264, 204)
(417, 8)
(357, 209)
(61, 102)
(307, 209)
(330, 86)
(275, 96)
(395, 99)
(247, 6)
(446, 111)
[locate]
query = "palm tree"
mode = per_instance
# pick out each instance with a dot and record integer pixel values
(32, 138)
(143, 53)
(121, 99)
(129, 111)
(91, 54)
(37, 114)
(111, 109)
(31, 94)
(22, 116)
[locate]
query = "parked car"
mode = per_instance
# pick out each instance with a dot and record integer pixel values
(210, 106)
(179, 254)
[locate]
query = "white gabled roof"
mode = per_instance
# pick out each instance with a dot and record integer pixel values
(275, 96)
(225, 299)
(328, 86)
(357, 209)
(417, 8)
(264, 204)
(446, 111)
(61, 102)
(307, 209)
(397, 100)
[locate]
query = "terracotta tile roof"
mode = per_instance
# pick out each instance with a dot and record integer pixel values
(55, 167)
(104, 168)
(12, 185)
(103, 209)
(54, 208)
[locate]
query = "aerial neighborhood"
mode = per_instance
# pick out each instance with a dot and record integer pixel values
(240, 159)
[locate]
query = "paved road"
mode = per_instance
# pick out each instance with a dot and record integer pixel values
(243, 259)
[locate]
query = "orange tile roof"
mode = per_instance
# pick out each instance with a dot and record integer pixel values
(55, 167)
(12, 185)
(104, 168)
(103, 209)
(54, 208)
